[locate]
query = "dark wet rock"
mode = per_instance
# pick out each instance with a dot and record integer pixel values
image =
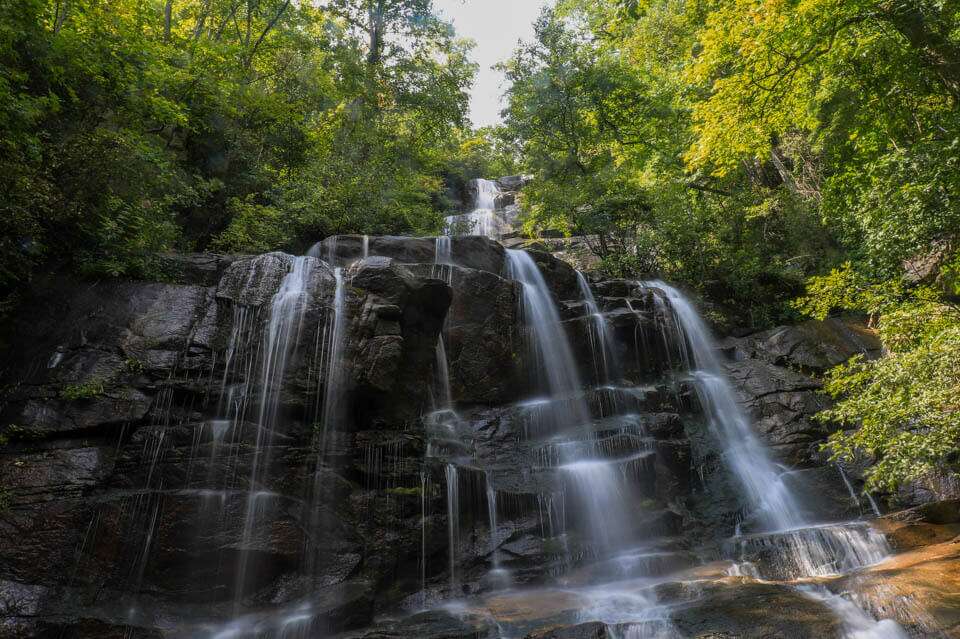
(20, 605)
(753, 611)
(470, 251)
(504, 200)
(935, 487)
(513, 182)
(592, 630)
(83, 628)
(253, 281)
(483, 345)
(824, 495)
(395, 338)
(53, 474)
(560, 276)
(481, 333)
(813, 346)
(430, 625)
(782, 404)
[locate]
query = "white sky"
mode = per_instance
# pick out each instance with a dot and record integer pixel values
(496, 26)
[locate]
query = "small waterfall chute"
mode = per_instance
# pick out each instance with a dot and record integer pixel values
(482, 220)
(604, 355)
(789, 546)
(552, 357)
(280, 339)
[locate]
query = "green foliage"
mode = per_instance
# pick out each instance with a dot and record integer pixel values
(845, 289)
(17, 433)
(83, 390)
(602, 111)
(755, 150)
(133, 365)
(242, 126)
(903, 408)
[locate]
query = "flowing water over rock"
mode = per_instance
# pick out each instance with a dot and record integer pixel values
(488, 217)
(431, 438)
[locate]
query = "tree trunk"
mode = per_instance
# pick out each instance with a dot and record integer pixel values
(376, 18)
(167, 19)
(936, 50)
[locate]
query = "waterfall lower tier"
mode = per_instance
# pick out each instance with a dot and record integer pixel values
(283, 450)
(492, 520)
(817, 551)
(773, 502)
(600, 501)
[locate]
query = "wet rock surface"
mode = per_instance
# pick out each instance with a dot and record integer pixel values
(142, 479)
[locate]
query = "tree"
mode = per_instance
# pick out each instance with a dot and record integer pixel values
(135, 127)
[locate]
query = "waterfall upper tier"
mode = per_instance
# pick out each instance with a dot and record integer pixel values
(491, 210)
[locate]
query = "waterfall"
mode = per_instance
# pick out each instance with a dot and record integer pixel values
(846, 482)
(492, 519)
(596, 492)
(279, 342)
(856, 624)
(424, 485)
(791, 546)
(335, 377)
(444, 396)
(606, 366)
(308, 525)
(482, 219)
(443, 269)
(763, 484)
(443, 256)
(596, 487)
(334, 389)
(552, 357)
(453, 522)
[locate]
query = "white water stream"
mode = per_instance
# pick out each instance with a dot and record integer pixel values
(482, 220)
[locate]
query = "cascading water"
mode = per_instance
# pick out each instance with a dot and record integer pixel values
(453, 522)
(280, 338)
(791, 545)
(482, 219)
(443, 269)
(573, 499)
(593, 482)
(761, 480)
(606, 366)
(553, 362)
(334, 381)
(335, 369)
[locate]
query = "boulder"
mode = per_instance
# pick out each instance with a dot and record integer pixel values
(782, 404)
(513, 182)
(752, 611)
(473, 252)
(812, 347)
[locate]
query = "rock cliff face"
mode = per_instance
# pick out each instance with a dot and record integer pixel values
(163, 476)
